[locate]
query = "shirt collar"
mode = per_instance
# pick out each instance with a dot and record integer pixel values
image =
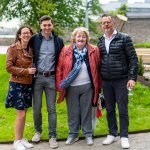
(113, 35)
(50, 37)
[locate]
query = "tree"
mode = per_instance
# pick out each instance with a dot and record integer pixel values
(66, 13)
(94, 10)
(95, 7)
(122, 10)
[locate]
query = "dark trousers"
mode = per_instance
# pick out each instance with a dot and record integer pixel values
(116, 92)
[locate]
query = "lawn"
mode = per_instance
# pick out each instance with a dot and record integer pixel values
(139, 110)
(143, 45)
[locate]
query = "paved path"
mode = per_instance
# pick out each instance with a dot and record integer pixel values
(137, 141)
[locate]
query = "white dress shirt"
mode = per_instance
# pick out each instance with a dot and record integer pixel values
(108, 40)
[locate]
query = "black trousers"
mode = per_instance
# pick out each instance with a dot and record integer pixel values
(115, 91)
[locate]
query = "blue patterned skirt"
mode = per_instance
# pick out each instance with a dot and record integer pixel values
(19, 96)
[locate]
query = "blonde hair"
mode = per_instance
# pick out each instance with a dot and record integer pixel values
(80, 30)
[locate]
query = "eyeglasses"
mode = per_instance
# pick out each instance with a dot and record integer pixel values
(104, 23)
(24, 33)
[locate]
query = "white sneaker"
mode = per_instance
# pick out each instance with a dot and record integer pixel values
(71, 140)
(110, 139)
(26, 144)
(53, 143)
(36, 137)
(18, 145)
(125, 143)
(89, 141)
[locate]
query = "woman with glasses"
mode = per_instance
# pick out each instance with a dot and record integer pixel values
(19, 65)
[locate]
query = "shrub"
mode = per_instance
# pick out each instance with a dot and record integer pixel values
(141, 66)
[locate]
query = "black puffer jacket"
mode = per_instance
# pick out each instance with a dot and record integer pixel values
(121, 61)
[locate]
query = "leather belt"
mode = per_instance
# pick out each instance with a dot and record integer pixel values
(46, 73)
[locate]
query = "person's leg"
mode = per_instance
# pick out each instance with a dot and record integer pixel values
(37, 104)
(19, 124)
(50, 92)
(110, 101)
(19, 129)
(121, 93)
(73, 110)
(20, 142)
(86, 92)
(122, 101)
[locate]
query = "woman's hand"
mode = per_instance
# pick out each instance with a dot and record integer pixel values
(32, 70)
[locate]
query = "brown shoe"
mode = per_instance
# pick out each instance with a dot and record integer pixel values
(53, 143)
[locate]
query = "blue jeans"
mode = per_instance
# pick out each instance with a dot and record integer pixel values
(47, 85)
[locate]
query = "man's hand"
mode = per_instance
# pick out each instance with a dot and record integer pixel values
(131, 84)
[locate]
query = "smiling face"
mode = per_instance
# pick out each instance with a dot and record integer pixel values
(25, 35)
(80, 40)
(46, 27)
(108, 25)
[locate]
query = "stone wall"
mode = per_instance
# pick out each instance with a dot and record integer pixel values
(138, 29)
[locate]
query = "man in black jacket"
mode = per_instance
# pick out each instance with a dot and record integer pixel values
(119, 65)
(46, 48)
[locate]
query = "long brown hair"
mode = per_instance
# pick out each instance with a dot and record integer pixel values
(19, 32)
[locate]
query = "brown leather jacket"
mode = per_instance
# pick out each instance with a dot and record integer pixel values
(17, 63)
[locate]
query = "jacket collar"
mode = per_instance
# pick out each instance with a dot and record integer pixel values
(112, 36)
(69, 52)
(118, 35)
(90, 49)
(18, 45)
(69, 49)
(41, 36)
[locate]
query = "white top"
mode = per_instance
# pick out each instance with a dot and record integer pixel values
(83, 76)
(108, 40)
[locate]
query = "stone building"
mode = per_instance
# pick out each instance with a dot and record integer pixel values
(7, 36)
(138, 24)
(147, 1)
(123, 1)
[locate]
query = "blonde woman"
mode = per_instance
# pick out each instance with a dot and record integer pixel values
(77, 79)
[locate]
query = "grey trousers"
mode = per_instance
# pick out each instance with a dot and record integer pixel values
(116, 92)
(79, 107)
(47, 85)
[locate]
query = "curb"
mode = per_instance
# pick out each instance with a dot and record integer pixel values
(81, 138)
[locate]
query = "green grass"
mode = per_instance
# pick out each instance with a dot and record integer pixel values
(143, 45)
(139, 112)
